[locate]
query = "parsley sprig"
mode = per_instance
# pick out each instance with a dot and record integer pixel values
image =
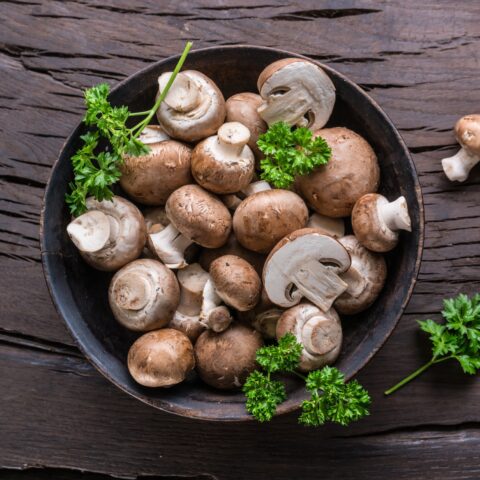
(458, 338)
(331, 400)
(289, 153)
(95, 173)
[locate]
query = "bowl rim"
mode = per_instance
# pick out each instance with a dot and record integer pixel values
(171, 407)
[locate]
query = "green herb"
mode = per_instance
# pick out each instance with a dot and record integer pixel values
(289, 153)
(457, 338)
(331, 398)
(94, 174)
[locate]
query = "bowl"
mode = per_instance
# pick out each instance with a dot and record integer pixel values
(80, 293)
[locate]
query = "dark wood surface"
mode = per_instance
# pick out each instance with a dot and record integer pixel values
(419, 60)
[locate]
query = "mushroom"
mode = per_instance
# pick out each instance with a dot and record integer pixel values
(296, 91)
(224, 360)
(263, 218)
(155, 216)
(334, 227)
(196, 216)
(144, 295)
(351, 172)
(307, 264)
(242, 107)
(194, 107)
(467, 131)
(161, 358)
(150, 178)
(192, 280)
(224, 162)
(110, 234)
(365, 278)
(232, 201)
(320, 334)
(376, 222)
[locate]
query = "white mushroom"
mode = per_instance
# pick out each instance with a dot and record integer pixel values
(334, 227)
(214, 315)
(307, 264)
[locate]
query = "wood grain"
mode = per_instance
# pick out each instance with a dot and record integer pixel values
(419, 60)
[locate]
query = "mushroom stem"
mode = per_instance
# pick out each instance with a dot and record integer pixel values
(213, 314)
(132, 291)
(355, 280)
(395, 214)
(184, 94)
(332, 226)
(318, 283)
(256, 187)
(232, 138)
(153, 134)
(457, 168)
(170, 245)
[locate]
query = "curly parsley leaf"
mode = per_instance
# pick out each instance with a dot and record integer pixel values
(289, 153)
(282, 357)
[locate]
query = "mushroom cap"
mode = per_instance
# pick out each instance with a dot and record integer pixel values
(224, 360)
(144, 295)
(236, 282)
(161, 358)
(151, 178)
(263, 218)
(128, 234)
(368, 226)
(200, 122)
(296, 91)
(199, 216)
(320, 334)
(222, 170)
(467, 131)
(368, 272)
(351, 172)
(242, 107)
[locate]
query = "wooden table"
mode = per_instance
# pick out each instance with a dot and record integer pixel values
(419, 60)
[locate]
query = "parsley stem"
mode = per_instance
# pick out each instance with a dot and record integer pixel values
(138, 114)
(415, 374)
(303, 377)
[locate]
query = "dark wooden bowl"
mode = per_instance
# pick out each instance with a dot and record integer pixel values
(80, 293)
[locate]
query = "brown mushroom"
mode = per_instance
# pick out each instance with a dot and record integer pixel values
(144, 295)
(376, 222)
(196, 216)
(161, 358)
(351, 172)
(224, 360)
(110, 234)
(224, 162)
(263, 218)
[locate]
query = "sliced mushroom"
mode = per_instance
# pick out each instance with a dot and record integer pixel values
(467, 131)
(144, 295)
(263, 218)
(196, 216)
(296, 91)
(307, 264)
(320, 334)
(194, 107)
(242, 107)
(365, 278)
(351, 172)
(334, 227)
(376, 222)
(224, 162)
(110, 235)
(161, 358)
(224, 360)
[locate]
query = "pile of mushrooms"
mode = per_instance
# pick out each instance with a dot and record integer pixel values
(209, 262)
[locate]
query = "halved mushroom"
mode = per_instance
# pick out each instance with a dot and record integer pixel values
(376, 222)
(224, 360)
(242, 107)
(196, 216)
(351, 172)
(224, 162)
(296, 91)
(161, 358)
(307, 264)
(150, 179)
(194, 107)
(263, 218)
(320, 334)
(467, 131)
(144, 295)
(365, 278)
(110, 235)
(334, 227)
